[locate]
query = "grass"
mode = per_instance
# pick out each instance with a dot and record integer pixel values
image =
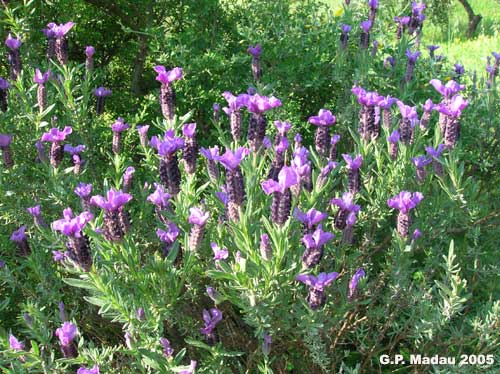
(453, 41)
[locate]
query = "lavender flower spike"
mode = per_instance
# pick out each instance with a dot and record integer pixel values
(35, 211)
(323, 120)
(198, 219)
(426, 116)
(83, 191)
(167, 93)
(4, 85)
(434, 154)
(83, 370)
(393, 140)
(56, 137)
(235, 103)
(354, 179)
(412, 59)
(75, 154)
(128, 177)
(365, 35)
(168, 238)
(116, 220)
(89, 61)
(211, 317)
(143, 135)
(409, 120)
(282, 197)
(266, 250)
(170, 174)
(420, 163)
(61, 43)
(404, 202)
(66, 334)
(19, 237)
(256, 69)
(344, 36)
(14, 56)
(314, 244)
(41, 79)
(101, 93)
(190, 150)
(309, 219)
(257, 105)
(167, 348)
(211, 154)
(317, 285)
(353, 283)
(5, 140)
(118, 127)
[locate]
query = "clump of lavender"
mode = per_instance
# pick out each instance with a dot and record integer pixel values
(14, 56)
(420, 163)
(56, 137)
(51, 41)
(89, 58)
(4, 86)
(432, 49)
(385, 104)
(78, 243)
(314, 244)
(255, 52)
(365, 33)
(118, 127)
(266, 251)
(170, 174)
(190, 150)
(302, 167)
(347, 211)
(402, 23)
(211, 154)
(36, 212)
(41, 79)
(428, 107)
(128, 178)
(66, 334)
(404, 202)
(83, 191)
(452, 111)
(161, 201)
(333, 147)
(309, 219)
(168, 237)
(143, 135)
(344, 36)
(198, 219)
(354, 178)
(373, 4)
(317, 297)
(167, 93)
(353, 283)
(323, 121)
(19, 237)
(75, 153)
(257, 105)
(282, 196)
(408, 121)
(447, 91)
(434, 154)
(393, 140)
(211, 317)
(61, 43)
(234, 104)
(5, 140)
(116, 220)
(234, 180)
(101, 93)
(412, 59)
(369, 115)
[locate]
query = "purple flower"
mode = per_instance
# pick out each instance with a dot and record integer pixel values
(2, 264)
(4, 84)
(211, 319)
(59, 256)
(266, 142)
(405, 201)
(318, 283)
(353, 283)
(211, 154)
(447, 90)
(169, 236)
(19, 235)
(190, 369)
(346, 203)
(459, 69)
(407, 111)
(433, 48)
(223, 197)
(160, 198)
(259, 104)
(266, 345)
(366, 26)
(428, 106)
(189, 130)
(15, 344)
(231, 160)
(454, 109)
(66, 333)
(62, 29)
(353, 164)
(387, 102)
(416, 234)
(283, 127)
(317, 239)
(83, 190)
(34, 211)
(169, 145)
(102, 92)
(143, 130)
(219, 254)
(5, 140)
(421, 161)
(167, 77)
(197, 216)
(235, 103)
(282, 145)
(72, 226)
(56, 135)
(167, 349)
(13, 43)
(389, 61)
(89, 51)
(83, 370)
(310, 218)
(68, 148)
(255, 51)
(113, 202)
(373, 4)
(345, 28)
(41, 78)
(324, 118)
(394, 137)
(412, 57)
(119, 125)
(300, 162)
(435, 153)
(287, 177)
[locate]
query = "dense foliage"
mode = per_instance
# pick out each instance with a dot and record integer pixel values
(229, 282)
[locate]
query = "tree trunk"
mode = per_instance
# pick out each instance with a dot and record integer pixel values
(140, 59)
(474, 19)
